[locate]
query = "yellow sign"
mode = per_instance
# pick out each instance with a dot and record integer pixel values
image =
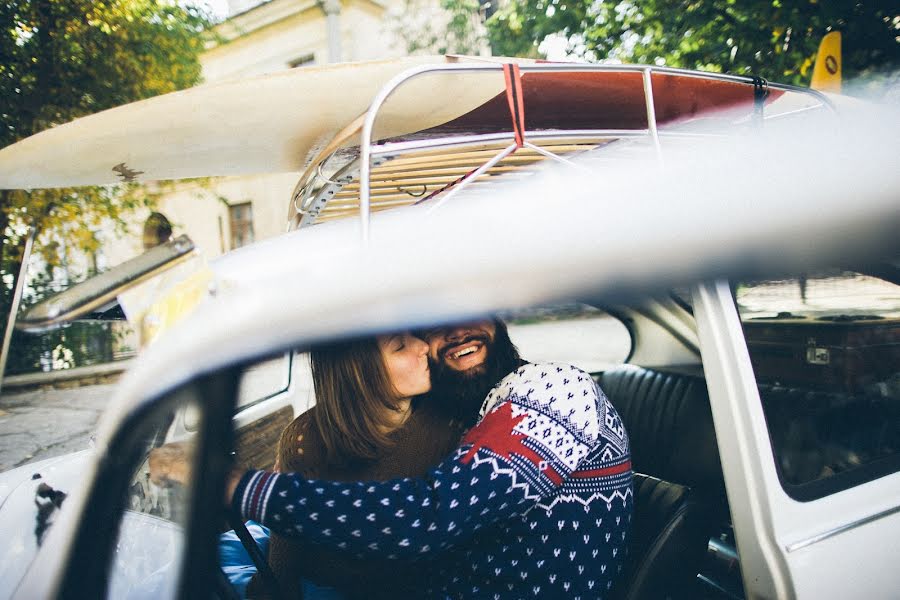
(827, 71)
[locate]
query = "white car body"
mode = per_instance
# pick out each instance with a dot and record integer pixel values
(619, 239)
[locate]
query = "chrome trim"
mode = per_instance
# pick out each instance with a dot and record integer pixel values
(502, 136)
(797, 111)
(815, 539)
(651, 110)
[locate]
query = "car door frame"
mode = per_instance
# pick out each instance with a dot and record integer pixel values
(79, 549)
(787, 548)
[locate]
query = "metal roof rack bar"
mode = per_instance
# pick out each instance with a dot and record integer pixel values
(550, 155)
(651, 110)
(455, 189)
(367, 149)
(462, 140)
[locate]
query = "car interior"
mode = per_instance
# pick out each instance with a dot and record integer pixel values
(830, 397)
(825, 355)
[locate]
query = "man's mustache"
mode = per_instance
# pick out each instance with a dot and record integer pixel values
(443, 352)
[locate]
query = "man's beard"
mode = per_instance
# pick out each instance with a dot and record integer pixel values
(463, 392)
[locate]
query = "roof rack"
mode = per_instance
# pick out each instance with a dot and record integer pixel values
(396, 172)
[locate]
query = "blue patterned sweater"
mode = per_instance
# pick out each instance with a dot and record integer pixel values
(536, 501)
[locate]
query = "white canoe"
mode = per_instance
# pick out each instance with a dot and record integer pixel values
(264, 124)
(279, 122)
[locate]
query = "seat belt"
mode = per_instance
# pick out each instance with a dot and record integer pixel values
(270, 581)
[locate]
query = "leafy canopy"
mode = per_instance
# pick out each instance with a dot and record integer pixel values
(442, 27)
(776, 39)
(63, 59)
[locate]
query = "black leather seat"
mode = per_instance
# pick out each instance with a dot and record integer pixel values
(678, 487)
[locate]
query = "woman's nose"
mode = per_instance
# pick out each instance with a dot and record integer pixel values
(420, 346)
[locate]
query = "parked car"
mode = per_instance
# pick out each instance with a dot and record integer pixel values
(708, 214)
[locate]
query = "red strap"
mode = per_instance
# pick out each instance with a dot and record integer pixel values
(516, 102)
(516, 110)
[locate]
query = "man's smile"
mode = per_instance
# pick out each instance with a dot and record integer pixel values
(467, 350)
(465, 355)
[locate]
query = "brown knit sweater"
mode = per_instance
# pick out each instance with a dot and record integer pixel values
(426, 438)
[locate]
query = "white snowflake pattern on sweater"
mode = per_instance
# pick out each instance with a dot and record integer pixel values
(536, 501)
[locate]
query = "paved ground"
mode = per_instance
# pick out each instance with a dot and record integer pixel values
(44, 423)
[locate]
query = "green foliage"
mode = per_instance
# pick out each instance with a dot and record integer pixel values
(776, 39)
(67, 58)
(63, 59)
(454, 28)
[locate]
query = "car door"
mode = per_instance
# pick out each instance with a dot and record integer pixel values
(117, 536)
(808, 426)
(271, 393)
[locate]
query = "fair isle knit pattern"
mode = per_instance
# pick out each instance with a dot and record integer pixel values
(536, 502)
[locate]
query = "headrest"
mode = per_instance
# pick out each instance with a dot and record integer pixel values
(669, 424)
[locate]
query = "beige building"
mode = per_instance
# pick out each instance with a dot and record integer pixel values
(222, 214)
(265, 37)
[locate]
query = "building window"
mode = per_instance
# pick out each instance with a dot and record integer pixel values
(304, 61)
(157, 230)
(241, 217)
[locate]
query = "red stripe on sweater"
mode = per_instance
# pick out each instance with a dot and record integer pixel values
(553, 476)
(604, 472)
(256, 499)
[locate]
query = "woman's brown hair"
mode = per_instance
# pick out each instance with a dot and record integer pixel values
(353, 397)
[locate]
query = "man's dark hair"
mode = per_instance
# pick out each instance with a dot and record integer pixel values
(464, 393)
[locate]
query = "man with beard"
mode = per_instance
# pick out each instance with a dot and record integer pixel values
(535, 501)
(466, 361)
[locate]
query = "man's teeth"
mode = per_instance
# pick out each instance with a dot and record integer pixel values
(468, 350)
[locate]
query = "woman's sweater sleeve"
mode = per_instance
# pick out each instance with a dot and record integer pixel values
(538, 424)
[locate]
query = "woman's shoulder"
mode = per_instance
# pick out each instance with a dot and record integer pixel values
(297, 448)
(432, 430)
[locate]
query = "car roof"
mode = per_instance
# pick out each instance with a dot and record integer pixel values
(638, 230)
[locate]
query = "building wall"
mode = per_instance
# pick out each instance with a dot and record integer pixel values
(260, 38)
(265, 39)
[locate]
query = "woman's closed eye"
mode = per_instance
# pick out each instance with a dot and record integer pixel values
(398, 344)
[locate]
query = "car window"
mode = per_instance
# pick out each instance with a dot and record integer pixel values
(825, 349)
(263, 379)
(259, 381)
(574, 333)
(149, 550)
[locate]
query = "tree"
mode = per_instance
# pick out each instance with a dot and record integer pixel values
(453, 27)
(776, 39)
(63, 59)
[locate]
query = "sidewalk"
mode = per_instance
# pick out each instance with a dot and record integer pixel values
(40, 424)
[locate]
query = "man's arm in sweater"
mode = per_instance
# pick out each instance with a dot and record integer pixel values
(538, 425)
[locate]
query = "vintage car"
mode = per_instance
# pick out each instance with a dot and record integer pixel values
(742, 233)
